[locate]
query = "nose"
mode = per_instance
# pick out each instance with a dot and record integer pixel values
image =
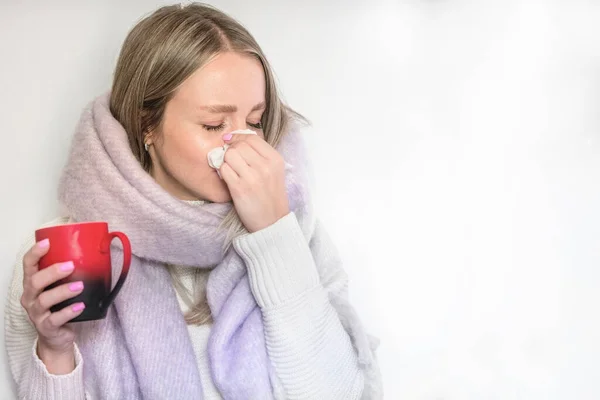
(228, 136)
(238, 123)
(237, 135)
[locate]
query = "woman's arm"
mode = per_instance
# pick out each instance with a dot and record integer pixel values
(312, 351)
(29, 372)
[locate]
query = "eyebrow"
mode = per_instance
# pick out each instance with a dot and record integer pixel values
(228, 108)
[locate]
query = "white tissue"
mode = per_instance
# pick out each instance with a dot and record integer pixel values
(217, 156)
(243, 132)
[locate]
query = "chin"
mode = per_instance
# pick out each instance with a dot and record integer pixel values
(218, 193)
(222, 197)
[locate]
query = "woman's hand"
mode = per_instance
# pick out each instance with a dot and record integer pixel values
(55, 339)
(255, 174)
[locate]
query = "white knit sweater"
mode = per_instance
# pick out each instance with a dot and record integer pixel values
(303, 335)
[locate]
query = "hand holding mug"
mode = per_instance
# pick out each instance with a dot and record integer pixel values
(67, 278)
(55, 339)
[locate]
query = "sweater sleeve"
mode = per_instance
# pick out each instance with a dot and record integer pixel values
(32, 379)
(296, 282)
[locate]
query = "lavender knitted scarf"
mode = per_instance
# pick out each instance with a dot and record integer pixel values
(142, 349)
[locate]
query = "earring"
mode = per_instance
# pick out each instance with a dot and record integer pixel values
(146, 146)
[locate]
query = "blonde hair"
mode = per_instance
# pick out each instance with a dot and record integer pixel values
(158, 55)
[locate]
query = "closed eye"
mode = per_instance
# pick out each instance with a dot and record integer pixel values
(214, 127)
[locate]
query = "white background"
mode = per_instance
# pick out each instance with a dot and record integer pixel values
(456, 152)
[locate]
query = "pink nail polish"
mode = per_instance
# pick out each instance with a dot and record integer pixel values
(68, 266)
(76, 286)
(44, 243)
(227, 137)
(78, 307)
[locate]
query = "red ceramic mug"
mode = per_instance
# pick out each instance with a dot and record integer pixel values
(87, 245)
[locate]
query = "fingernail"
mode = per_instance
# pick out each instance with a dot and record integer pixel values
(228, 136)
(44, 243)
(76, 286)
(78, 307)
(68, 266)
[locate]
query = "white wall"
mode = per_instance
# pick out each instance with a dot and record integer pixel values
(457, 154)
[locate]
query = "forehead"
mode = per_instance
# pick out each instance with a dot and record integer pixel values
(229, 78)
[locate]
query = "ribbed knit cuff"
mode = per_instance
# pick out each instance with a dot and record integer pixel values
(280, 263)
(47, 386)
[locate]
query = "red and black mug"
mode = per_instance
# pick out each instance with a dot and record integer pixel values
(87, 245)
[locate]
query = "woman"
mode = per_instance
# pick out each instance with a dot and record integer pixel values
(260, 305)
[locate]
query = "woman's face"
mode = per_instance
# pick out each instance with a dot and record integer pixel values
(226, 94)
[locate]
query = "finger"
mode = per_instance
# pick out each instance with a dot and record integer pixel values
(31, 259)
(59, 318)
(249, 155)
(44, 278)
(235, 160)
(273, 162)
(56, 295)
(262, 147)
(230, 177)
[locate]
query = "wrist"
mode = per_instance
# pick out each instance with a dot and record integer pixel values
(57, 361)
(267, 223)
(280, 211)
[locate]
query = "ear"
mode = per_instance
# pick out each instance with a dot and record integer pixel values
(149, 138)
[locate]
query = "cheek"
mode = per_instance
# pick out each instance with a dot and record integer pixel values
(190, 146)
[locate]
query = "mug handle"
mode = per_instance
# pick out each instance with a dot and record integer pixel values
(126, 263)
